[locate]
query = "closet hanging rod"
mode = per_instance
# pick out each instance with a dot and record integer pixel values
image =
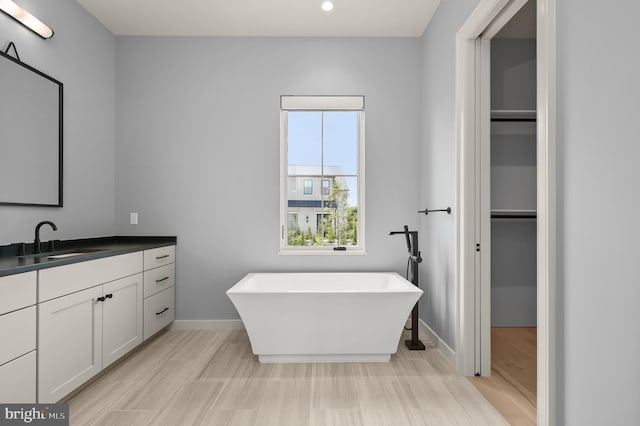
(427, 211)
(517, 120)
(514, 216)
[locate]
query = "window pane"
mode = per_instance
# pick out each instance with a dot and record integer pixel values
(341, 142)
(308, 187)
(304, 138)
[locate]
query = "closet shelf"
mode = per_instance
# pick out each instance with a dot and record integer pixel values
(513, 115)
(513, 214)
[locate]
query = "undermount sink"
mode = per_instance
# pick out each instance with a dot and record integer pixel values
(61, 254)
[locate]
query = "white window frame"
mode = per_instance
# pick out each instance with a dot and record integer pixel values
(321, 103)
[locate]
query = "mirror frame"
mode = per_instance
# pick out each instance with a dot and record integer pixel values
(18, 62)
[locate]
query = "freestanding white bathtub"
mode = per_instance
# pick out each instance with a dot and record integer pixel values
(324, 317)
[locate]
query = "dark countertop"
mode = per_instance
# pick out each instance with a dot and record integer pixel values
(92, 248)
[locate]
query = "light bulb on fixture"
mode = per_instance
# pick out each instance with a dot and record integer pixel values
(327, 6)
(25, 18)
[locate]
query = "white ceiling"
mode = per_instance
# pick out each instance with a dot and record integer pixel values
(288, 18)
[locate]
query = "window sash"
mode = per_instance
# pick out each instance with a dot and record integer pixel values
(308, 103)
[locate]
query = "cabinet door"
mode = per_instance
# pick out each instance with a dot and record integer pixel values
(121, 317)
(69, 343)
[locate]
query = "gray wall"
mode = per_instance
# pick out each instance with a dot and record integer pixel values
(598, 330)
(81, 55)
(198, 150)
(513, 273)
(598, 205)
(513, 74)
(438, 168)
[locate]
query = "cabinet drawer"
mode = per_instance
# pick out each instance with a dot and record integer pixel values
(17, 291)
(18, 380)
(18, 331)
(159, 311)
(158, 279)
(159, 256)
(56, 282)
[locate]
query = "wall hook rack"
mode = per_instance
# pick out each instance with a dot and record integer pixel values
(427, 211)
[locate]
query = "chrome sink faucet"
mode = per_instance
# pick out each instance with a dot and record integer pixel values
(36, 242)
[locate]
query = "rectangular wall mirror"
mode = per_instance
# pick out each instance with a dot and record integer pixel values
(30, 135)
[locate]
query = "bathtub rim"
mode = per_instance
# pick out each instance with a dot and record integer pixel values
(409, 287)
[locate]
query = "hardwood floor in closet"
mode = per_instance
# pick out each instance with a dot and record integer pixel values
(511, 388)
(210, 377)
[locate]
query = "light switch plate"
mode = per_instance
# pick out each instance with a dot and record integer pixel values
(133, 218)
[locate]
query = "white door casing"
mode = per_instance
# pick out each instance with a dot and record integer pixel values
(471, 227)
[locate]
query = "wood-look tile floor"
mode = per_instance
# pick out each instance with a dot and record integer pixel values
(511, 388)
(211, 377)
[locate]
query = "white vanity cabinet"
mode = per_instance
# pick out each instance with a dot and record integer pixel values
(159, 289)
(89, 315)
(18, 334)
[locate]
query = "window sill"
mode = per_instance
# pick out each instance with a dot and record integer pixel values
(321, 252)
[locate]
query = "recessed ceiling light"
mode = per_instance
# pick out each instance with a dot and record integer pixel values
(327, 6)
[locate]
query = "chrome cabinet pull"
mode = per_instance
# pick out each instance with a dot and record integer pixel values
(162, 311)
(162, 257)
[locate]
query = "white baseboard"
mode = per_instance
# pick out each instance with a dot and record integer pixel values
(444, 349)
(207, 325)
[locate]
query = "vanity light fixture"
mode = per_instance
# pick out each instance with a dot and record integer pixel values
(327, 6)
(25, 18)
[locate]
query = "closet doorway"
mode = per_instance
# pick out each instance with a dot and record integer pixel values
(508, 204)
(506, 242)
